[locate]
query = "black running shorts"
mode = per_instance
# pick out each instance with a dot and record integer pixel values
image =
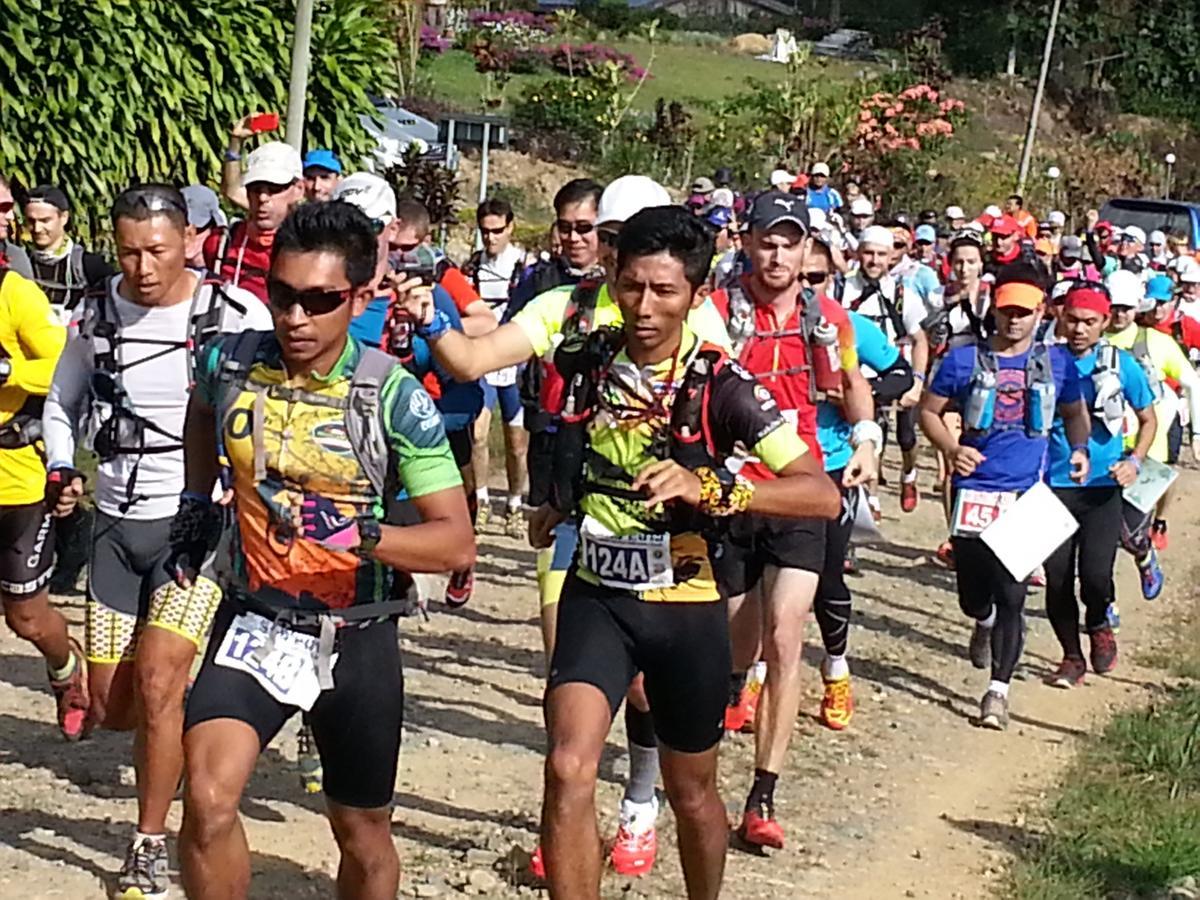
(606, 636)
(26, 549)
(754, 542)
(356, 724)
(462, 443)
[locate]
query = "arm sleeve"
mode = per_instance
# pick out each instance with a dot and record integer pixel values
(416, 437)
(1134, 383)
(745, 412)
(66, 402)
(41, 338)
(542, 318)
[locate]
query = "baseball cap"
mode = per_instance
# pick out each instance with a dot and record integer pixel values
(819, 168)
(774, 208)
(1156, 237)
(1133, 233)
(49, 193)
(877, 235)
(273, 162)
(629, 195)
(370, 193)
(703, 185)
(781, 178)
(322, 159)
(1057, 218)
(203, 207)
(1004, 225)
(1018, 294)
(993, 211)
(1187, 269)
(722, 196)
(1070, 247)
(719, 216)
(955, 212)
(1044, 226)
(926, 234)
(1160, 288)
(1125, 288)
(861, 206)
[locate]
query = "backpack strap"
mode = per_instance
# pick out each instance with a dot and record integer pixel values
(364, 424)
(580, 318)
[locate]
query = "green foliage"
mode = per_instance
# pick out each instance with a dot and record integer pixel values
(96, 95)
(428, 182)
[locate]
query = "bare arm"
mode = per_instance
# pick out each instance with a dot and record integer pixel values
(1147, 431)
(231, 169)
(478, 319)
(200, 458)
(468, 358)
(444, 541)
(800, 490)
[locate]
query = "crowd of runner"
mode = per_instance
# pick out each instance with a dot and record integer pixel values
(290, 412)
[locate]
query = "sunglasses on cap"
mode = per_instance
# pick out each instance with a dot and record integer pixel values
(152, 198)
(582, 229)
(314, 302)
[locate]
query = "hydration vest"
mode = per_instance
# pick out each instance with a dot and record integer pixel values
(24, 427)
(74, 288)
(241, 266)
(892, 309)
(1040, 394)
(579, 319)
(1141, 352)
(1109, 405)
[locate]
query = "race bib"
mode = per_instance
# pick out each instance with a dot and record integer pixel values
(282, 661)
(640, 562)
(976, 510)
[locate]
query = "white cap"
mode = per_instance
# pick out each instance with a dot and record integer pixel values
(861, 206)
(782, 179)
(722, 197)
(876, 234)
(1157, 237)
(974, 225)
(817, 219)
(994, 211)
(273, 162)
(1057, 218)
(1132, 231)
(370, 193)
(1187, 269)
(628, 196)
(1125, 288)
(955, 212)
(819, 168)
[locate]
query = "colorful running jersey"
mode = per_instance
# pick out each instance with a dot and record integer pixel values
(284, 438)
(632, 422)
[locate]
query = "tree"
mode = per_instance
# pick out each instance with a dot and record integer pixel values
(97, 95)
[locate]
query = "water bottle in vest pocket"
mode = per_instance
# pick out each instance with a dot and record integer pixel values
(981, 402)
(826, 359)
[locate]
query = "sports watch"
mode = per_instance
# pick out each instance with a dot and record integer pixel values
(369, 533)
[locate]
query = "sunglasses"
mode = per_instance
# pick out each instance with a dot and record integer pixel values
(607, 237)
(314, 302)
(815, 278)
(153, 199)
(582, 229)
(6, 207)
(492, 232)
(899, 245)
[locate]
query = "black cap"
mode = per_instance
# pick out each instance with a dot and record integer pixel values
(723, 176)
(775, 207)
(928, 217)
(48, 193)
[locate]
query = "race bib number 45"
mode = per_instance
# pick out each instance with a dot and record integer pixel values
(976, 510)
(640, 562)
(282, 661)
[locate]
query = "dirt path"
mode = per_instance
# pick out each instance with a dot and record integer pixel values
(911, 801)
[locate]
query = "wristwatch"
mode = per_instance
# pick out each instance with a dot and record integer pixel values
(369, 533)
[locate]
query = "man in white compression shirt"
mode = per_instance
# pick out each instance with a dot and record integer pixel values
(124, 379)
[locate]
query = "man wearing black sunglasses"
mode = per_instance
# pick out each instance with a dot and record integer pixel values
(125, 378)
(306, 623)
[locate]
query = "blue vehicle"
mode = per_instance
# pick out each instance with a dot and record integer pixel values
(1150, 214)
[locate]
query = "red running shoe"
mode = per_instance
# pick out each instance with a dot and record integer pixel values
(460, 587)
(1158, 534)
(908, 496)
(636, 846)
(945, 555)
(537, 865)
(760, 829)
(71, 695)
(1104, 651)
(741, 717)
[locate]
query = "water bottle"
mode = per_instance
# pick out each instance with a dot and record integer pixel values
(826, 358)
(981, 403)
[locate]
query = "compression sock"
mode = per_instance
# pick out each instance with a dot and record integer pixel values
(762, 792)
(737, 683)
(998, 687)
(66, 671)
(643, 755)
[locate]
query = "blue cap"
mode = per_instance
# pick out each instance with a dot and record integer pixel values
(926, 234)
(322, 159)
(1160, 289)
(719, 216)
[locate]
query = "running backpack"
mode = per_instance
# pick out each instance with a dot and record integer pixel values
(24, 427)
(1040, 394)
(741, 331)
(1141, 352)
(75, 287)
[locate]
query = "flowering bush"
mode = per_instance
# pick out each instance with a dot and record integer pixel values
(432, 41)
(517, 29)
(573, 109)
(579, 59)
(917, 118)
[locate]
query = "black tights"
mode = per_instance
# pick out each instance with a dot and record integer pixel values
(1090, 553)
(832, 605)
(983, 585)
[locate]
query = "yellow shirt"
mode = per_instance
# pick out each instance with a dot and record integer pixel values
(1168, 361)
(31, 339)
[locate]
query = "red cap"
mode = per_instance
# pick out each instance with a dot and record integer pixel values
(800, 182)
(1004, 226)
(1088, 298)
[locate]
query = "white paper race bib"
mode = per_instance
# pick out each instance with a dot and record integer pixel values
(284, 662)
(640, 562)
(976, 510)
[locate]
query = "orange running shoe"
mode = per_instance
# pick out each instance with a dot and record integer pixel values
(741, 717)
(636, 845)
(837, 706)
(537, 865)
(71, 695)
(760, 828)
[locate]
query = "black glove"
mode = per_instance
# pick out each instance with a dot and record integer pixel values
(57, 479)
(194, 534)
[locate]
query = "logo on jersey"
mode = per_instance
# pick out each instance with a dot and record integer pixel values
(331, 437)
(421, 405)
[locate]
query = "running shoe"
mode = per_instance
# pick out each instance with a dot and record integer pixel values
(308, 761)
(1113, 616)
(945, 555)
(636, 846)
(1038, 578)
(760, 828)
(514, 522)
(850, 565)
(876, 507)
(837, 706)
(537, 864)
(1158, 534)
(1151, 575)
(1069, 674)
(993, 711)
(71, 696)
(483, 515)
(979, 650)
(1104, 651)
(460, 587)
(908, 496)
(740, 717)
(144, 874)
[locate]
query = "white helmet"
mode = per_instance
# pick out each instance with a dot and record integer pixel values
(628, 196)
(1127, 289)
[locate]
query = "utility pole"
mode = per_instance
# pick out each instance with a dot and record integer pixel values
(1031, 133)
(298, 87)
